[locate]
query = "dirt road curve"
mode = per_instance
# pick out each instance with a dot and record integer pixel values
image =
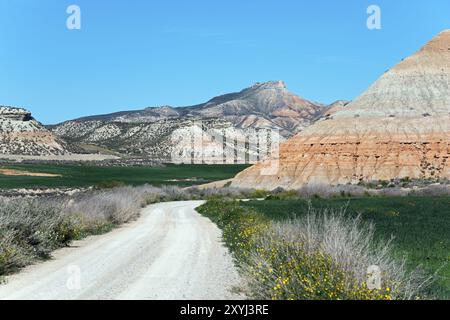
(171, 252)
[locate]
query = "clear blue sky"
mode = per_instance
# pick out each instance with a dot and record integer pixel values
(133, 54)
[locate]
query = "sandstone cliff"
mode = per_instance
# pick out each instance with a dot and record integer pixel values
(399, 127)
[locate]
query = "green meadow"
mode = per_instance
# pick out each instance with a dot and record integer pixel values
(85, 175)
(420, 226)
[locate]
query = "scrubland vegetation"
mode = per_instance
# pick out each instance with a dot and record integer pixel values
(419, 226)
(313, 243)
(322, 255)
(375, 189)
(31, 228)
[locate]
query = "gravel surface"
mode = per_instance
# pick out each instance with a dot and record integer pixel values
(170, 252)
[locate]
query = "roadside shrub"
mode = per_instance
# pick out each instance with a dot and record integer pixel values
(324, 255)
(103, 208)
(35, 224)
(240, 225)
(31, 228)
(392, 192)
(258, 194)
(284, 195)
(434, 190)
(284, 269)
(12, 256)
(174, 193)
(219, 193)
(328, 191)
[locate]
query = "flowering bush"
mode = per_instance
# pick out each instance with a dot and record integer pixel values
(240, 225)
(323, 256)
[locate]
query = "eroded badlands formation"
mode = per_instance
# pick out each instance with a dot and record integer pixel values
(399, 127)
(21, 134)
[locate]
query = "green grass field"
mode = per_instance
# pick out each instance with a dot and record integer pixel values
(80, 176)
(420, 226)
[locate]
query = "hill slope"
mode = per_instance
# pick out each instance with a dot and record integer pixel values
(399, 127)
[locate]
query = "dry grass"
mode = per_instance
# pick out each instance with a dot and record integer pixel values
(349, 190)
(30, 229)
(434, 190)
(323, 255)
(339, 249)
(328, 191)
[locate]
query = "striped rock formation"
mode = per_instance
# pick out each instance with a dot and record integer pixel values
(21, 134)
(400, 127)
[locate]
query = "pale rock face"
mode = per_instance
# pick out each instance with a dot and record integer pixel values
(21, 134)
(400, 127)
(222, 145)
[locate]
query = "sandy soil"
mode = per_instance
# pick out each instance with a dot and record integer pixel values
(171, 252)
(12, 172)
(65, 157)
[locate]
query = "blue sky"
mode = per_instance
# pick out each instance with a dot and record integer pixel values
(133, 54)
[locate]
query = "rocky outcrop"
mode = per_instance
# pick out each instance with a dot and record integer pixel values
(399, 127)
(15, 114)
(21, 134)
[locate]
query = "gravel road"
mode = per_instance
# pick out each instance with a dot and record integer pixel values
(170, 252)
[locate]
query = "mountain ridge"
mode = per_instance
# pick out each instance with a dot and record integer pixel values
(222, 105)
(264, 105)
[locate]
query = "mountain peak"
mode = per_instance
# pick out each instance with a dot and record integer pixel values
(270, 85)
(406, 88)
(441, 42)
